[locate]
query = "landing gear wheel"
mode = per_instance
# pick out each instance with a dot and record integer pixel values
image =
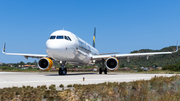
(105, 71)
(64, 71)
(60, 71)
(100, 70)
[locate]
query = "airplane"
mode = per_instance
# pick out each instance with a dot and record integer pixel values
(65, 47)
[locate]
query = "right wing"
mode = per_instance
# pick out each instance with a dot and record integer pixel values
(25, 55)
(100, 57)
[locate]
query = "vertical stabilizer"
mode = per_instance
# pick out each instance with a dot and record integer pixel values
(94, 37)
(4, 48)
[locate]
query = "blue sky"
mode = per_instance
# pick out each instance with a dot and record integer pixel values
(122, 25)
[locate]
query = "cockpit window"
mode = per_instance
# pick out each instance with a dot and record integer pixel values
(59, 37)
(69, 38)
(66, 38)
(52, 37)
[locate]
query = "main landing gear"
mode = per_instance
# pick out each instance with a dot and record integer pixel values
(62, 70)
(102, 68)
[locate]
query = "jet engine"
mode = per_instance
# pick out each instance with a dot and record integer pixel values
(112, 64)
(45, 64)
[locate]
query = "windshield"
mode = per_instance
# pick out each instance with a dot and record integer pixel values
(59, 37)
(52, 37)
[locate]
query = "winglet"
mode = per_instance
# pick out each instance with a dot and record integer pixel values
(177, 47)
(3, 51)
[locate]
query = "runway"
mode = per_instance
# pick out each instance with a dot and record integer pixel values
(18, 79)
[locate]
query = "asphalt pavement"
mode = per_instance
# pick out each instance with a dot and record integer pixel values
(18, 79)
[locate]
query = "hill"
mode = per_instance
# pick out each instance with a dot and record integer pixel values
(156, 60)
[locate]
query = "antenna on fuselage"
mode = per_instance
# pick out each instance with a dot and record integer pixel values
(94, 37)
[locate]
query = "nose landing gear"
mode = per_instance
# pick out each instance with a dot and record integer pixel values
(62, 70)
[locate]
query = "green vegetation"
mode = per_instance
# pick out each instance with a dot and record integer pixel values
(7, 68)
(13, 69)
(52, 87)
(155, 89)
(61, 85)
(17, 67)
(156, 60)
(70, 85)
(175, 67)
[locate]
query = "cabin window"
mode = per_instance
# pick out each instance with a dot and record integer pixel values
(52, 37)
(59, 37)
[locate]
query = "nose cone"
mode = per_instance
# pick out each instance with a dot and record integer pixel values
(51, 44)
(52, 47)
(58, 48)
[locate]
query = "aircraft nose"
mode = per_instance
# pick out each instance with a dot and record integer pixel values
(52, 48)
(51, 45)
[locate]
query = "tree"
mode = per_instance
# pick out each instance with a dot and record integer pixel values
(122, 65)
(155, 65)
(29, 63)
(7, 68)
(21, 63)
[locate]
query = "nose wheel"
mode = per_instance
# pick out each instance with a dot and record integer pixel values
(62, 70)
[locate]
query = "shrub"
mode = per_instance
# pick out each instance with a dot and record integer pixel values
(139, 70)
(52, 87)
(70, 85)
(170, 67)
(43, 87)
(61, 85)
(30, 68)
(7, 68)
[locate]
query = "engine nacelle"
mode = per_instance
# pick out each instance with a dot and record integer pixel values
(45, 64)
(112, 64)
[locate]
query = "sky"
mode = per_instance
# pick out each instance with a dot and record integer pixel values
(121, 25)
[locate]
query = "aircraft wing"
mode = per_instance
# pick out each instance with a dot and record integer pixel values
(97, 57)
(25, 55)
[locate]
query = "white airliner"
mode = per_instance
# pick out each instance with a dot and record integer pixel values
(65, 47)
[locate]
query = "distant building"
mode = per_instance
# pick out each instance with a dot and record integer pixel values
(159, 68)
(27, 66)
(0, 63)
(10, 65)
(145, 69)
(19, 66)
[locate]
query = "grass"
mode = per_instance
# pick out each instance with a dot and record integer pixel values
(156, 89)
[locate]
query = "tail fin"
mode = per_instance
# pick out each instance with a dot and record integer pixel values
(94, 37)
(4, 48)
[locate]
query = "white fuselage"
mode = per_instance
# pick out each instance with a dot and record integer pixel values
(66, 46)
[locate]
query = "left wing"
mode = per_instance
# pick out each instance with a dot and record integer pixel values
(97, 57)
(25, 55)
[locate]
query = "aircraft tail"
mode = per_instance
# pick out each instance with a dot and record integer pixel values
(94, 37)
(4, 48)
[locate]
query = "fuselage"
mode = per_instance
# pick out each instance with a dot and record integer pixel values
(66, 46)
